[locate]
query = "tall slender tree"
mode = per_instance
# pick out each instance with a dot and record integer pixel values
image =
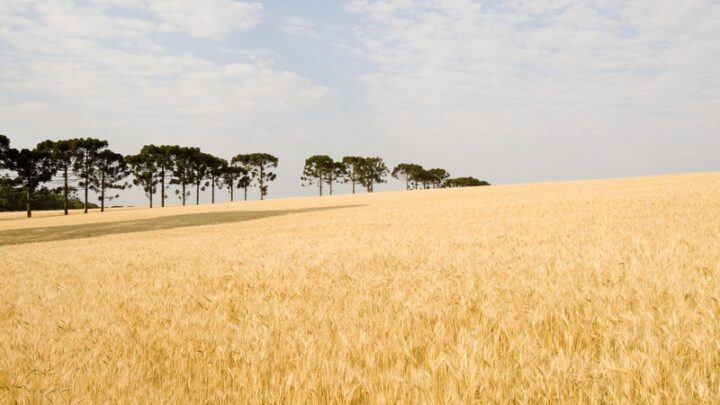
(217, 168)
(85, 165)
(232, 177)
(144, 171)
(111, 170)
(336, 174)
(182, 168)
(63, 154)
(261, 170)
(32, 167)
(200, 168)
(316, 171)
(372, 171)
(246, 162)
(438, 177)
(353, 164)
(163, 162)
(408, 172)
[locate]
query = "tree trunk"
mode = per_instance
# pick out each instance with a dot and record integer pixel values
(197, 193)
(29, 200)
(183, 192)
(232, 192)
(320, 184)
(65, 190)
(212, 187)
(353, 183)
(407, 182)
(150, 193)
(87, 180)
(330, 182)
(245, 192)
(102, 193)
(262, 185)
(162, 187)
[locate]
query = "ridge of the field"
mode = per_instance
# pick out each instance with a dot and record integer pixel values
(601, 291)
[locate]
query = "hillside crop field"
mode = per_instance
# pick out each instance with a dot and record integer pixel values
(581, 292)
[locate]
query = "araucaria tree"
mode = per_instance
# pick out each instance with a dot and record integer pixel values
(353, 166)
(372, 171)
(163, 157)
(111, 170)
(86, 156)
(233, 176)
(409, 172)
(63, 154)
(335, 174)
(144, 171)
(32, 167)
(245, 162)
(199, 168)
(438, 177)
(261, 165)
(182, 158)
(217, 168)
(316, 171)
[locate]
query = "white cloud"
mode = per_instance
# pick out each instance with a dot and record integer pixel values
(207, 18)
(568, 75)
(76, 68)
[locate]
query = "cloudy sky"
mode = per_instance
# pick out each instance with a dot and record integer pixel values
(504, 90)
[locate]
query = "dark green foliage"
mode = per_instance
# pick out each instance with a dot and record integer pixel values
(245, 162)
(12, 199)
(371, 171)
(63, 154)
(183, 173)
(234, 176)
(4, 148)
(163, 157)
(437, 177)
(316, 171)
(259, 167)
(144, 171)
(409, 172)
(29, 169)
(199, 170)
(87, 151)
(465, 182)
(217, 168)
(352, 165)
(111, 170)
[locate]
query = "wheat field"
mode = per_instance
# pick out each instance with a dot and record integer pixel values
(576, 292)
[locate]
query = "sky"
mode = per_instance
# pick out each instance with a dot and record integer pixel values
(507, 91)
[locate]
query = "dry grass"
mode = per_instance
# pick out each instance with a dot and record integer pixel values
(584, 292)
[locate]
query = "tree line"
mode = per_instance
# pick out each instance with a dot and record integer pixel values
(323, 171)
(88, 164)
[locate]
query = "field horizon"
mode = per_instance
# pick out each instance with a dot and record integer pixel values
(581, 291)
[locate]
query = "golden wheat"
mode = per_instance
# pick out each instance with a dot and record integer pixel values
(579, 292)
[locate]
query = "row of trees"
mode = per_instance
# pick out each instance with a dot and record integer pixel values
(156, 168)
(322, 170)
(415, 177)
(90, 165)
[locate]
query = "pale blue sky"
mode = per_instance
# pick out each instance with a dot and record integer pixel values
(508, 91)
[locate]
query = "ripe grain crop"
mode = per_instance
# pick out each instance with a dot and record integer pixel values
(578, 292)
